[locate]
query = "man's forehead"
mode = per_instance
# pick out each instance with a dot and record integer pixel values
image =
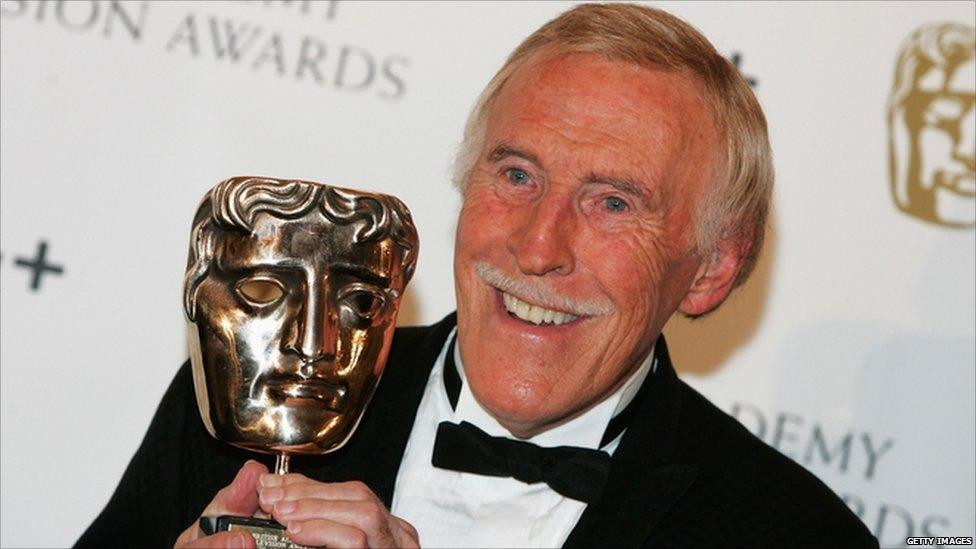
(594, 91)
(622, 120)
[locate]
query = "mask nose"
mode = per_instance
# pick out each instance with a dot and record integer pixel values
(315, 330)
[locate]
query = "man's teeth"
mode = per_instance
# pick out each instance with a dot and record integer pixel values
(534, 313)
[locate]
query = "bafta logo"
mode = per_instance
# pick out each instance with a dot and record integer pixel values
(932, 126)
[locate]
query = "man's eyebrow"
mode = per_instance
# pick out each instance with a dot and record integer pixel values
(503, 151)
(632, 188)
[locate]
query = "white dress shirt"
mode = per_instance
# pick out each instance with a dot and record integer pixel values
(454, 509)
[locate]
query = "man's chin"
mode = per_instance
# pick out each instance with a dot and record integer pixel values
(519, 407)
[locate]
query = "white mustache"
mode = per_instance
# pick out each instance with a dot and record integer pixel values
(537, 294)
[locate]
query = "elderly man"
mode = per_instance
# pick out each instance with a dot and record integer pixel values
(615, 170)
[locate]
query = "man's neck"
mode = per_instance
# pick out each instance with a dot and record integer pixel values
(581, 427)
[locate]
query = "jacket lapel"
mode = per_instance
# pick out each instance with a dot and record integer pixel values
(645, 481)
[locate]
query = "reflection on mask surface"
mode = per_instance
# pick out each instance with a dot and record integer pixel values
(932, 126)
(292, 290)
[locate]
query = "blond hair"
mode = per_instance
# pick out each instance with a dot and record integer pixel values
(737, 203)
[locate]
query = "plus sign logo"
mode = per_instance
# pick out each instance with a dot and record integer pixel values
(736, 59)
(38, 266)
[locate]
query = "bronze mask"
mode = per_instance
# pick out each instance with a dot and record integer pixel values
(291, 292)
(932, 125)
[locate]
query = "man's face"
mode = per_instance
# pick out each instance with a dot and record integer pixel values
(293, 325)
(581, 203)
(934, 145)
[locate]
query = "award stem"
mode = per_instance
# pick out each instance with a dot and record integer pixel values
(281, 464)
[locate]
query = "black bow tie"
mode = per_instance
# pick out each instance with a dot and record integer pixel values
(577, 473)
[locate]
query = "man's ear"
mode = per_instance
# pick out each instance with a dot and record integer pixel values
(716, 277)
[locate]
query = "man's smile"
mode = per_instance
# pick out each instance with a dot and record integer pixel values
(534, 313)
(534, 304)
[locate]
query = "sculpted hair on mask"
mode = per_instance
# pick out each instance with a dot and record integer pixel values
(235, 203)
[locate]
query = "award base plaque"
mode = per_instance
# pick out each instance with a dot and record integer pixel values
(267, 533)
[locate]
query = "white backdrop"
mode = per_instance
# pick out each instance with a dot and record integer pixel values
(851, 349)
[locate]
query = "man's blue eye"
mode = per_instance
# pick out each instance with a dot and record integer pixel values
(517, 176)
(615, 204)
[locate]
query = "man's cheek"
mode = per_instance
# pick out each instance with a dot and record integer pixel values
(483, 236)
(623, 268)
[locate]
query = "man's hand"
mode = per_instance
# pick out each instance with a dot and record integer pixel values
(342, 514)
(239, 498)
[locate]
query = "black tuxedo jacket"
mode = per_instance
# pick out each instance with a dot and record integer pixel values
(684, 475)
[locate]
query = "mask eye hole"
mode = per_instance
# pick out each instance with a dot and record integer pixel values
(260, 291)
(364, 302)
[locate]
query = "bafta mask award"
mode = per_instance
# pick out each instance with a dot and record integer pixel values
(291, 292)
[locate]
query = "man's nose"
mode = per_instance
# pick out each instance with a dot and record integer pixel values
(316, 329)
(542, 243)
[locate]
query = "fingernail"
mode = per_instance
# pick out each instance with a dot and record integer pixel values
(284, 506)
(237, 542)
(270, 495)
(269, 479)
(294, 527)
